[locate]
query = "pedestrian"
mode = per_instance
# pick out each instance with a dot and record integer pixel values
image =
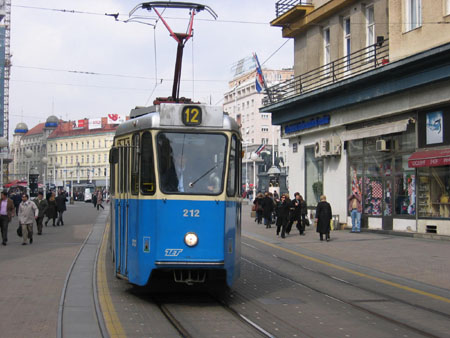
(323, 218)
(355, 207)
(7, 211)
(17, 199)
(296, 214)
(28, 212)
(94, 200)
(268, 206)
(99, 199)
(61, 207)
(51, 209)
(283, 215)
(258, 203)
(42, 205)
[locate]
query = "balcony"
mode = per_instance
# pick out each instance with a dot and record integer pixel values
(361, 61)
(289, 11)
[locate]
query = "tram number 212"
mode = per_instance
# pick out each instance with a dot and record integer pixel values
(191, 213)
(192, 116)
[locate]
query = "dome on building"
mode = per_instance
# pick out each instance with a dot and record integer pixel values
(52, 122)
(21, 128)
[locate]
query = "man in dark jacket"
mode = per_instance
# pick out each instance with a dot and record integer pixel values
(323, 218)
(42, 205)
(268, 207)
(61, 206)
(296, 214)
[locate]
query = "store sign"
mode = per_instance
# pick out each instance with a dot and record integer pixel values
(303, 125)
(95, 123)
(432, 158)
(435, 128)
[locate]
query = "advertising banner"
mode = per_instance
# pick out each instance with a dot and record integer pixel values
(95, 123)
(115, 118)
(79, 124)
(2, 77)
(435, 128)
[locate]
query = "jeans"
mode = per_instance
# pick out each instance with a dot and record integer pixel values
(356, 220)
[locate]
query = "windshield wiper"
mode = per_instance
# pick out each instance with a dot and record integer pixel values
(191, 184)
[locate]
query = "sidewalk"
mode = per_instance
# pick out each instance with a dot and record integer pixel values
(420, 259)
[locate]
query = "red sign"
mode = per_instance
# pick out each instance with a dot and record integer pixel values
(430, 158)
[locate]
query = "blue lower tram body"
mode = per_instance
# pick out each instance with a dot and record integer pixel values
(154, 238)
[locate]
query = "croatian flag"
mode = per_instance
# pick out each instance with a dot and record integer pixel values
(259, 75)
(260, 149)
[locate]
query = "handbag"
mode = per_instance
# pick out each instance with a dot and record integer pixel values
(253, 207)
(307, 222)
(19, 231)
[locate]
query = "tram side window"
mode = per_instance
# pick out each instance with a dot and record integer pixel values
(232, 168)
(113, 159)
(135, 165)
(147, 165)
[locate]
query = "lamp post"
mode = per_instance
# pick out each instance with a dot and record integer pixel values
(28, 155)
(44, 160)
(3, 144)
(254, 156)
(55, 165)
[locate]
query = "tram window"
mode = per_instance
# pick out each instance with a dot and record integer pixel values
(232, 167)
(135, 165)
(191, 163)
(147, 165)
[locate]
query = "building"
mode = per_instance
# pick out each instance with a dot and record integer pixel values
(63, 153)
(368, 109)
(242, 102)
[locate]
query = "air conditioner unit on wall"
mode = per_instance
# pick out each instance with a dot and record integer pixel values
(381, 145)
(336, 145)
(326, 147)
(318, 148)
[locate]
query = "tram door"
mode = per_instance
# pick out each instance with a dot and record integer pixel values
(123, 210)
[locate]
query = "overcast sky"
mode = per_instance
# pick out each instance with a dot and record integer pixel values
(51, 48)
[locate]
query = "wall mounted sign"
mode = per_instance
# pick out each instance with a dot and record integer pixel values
(307, 124)
(435, 128)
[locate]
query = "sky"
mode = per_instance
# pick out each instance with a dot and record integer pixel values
(80, 65)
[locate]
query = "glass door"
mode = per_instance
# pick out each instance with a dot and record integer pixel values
(388, 193)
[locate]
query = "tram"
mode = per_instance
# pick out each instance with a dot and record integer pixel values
(175, 195)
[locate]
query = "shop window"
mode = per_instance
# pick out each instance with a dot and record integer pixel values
(433, 192)
(373, 186)
(405, 187)
(313, 177)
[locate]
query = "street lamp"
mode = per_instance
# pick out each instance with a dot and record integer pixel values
(254, 156)
(3, 144)
(55, 165)
(28, 155)
(44, 160)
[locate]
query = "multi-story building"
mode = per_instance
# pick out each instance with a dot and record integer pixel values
(242, 102)
(80, 154)
(63, 153)
(368, 109)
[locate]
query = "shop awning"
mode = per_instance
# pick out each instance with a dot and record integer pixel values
(429, 158)
(380, 129)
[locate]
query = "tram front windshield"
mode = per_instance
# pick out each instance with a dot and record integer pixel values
(191, 163)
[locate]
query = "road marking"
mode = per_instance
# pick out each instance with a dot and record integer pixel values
(357, 273)
(110, 316)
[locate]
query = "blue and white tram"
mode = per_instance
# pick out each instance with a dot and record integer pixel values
(175, 195)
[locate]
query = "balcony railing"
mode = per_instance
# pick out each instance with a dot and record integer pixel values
(284, 6)
(369, 58)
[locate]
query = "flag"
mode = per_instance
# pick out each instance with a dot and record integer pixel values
(260, 149)
(259, 83)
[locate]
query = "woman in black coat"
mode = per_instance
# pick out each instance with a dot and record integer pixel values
(51, 210)
(323, 218)
(258, 202)
(283, 214)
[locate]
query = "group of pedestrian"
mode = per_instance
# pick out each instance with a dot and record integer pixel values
(31, 211)
(287, 212)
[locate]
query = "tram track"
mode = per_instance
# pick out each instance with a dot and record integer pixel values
(335, 296)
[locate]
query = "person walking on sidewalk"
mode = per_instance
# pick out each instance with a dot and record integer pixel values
(51, 209)
(296, 214)
(42, 205)
(283, 214)
(7, 211)
(355, 207)
(323, 218)
(28, 212)
(258, 203)
(100, 200)
(61, 206)
(268, 207)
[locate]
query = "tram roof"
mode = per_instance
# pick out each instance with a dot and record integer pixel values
(169, 116)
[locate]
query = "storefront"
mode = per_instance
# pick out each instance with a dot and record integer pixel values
(432, 163)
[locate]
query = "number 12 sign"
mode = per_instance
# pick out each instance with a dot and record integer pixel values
(192, 116)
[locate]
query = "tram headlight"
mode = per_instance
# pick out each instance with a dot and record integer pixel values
(191, 239)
